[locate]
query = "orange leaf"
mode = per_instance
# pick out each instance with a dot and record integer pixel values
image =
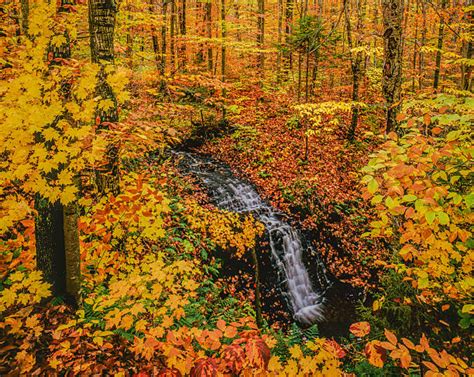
(375, 354)
(334, 347)
(391, 337)
(258, 353)
(204, 368)
(360, 329)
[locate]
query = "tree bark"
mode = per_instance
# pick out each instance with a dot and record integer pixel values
(182, 32)
(356, 64)
(261, 35)
(101, 28)
(208, 10)
(173, 36)
(56, 231)
(288, 55)
(25, 14)
(224, 35)
(72, 251)
(440, 46)
(50, 248)
(392, 67)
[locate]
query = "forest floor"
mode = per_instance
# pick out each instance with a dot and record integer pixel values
(315, 184)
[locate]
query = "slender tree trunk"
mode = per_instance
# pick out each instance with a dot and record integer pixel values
(288, 55)
(25, 14)
(467, 51)
(306, 76)
(392, 68)
(182, 32)
(173, 36)
(415, 50)
(261, 35)
(208, 10)
(356, 64)
(421, 55)
(164, 46)
(280, 39)
(72, 250)
(440, 46)
(224, 35)
(199, 27)
(258, 301)
(101, 29)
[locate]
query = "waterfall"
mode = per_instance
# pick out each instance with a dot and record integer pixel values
(286, 242)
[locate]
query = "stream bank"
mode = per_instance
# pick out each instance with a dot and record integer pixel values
(295, 283)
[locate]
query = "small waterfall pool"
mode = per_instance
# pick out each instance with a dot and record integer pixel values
(306, 297)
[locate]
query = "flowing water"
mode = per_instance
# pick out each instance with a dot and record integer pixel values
(306, 298)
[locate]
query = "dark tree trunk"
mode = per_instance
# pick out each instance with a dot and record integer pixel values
(50, 249)
(56, 231)
(261, 35)
(356, 65)
(208, 10)
(288, 55)
(224, 36)
(440, 46)
(101, 28)
(173, 36)
(392, 67)
(182, 33)
(25, 14)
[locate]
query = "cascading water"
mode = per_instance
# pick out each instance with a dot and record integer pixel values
(232, 194)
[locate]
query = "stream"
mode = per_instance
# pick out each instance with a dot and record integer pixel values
(307, 295)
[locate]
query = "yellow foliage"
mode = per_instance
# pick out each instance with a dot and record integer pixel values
(228, 230)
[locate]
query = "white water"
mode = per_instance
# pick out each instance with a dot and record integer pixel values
(287, 249)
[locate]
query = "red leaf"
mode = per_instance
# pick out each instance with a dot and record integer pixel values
(204, 368)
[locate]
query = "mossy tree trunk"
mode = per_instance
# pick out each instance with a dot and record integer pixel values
(102, 28)
(392, 66)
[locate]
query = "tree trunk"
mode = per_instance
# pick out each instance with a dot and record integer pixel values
(421, 56)
(173, 36)
(50, 248)
(356, 64)
(392, 67)
(208, 10)
(101, 28)
(164, 12)
(280, 38)
(56, 231)
(440, 46)
(25, 14)
(72, 251)
(467, 50)
(182, 32)
(415, 44)
(261, 35)
(258, 301)
(224, 35)
(287, 55)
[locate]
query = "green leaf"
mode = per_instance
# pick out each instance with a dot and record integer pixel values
(469, 199)
(373, 186)
(409, 198)
(430, 216)
(443, 218)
